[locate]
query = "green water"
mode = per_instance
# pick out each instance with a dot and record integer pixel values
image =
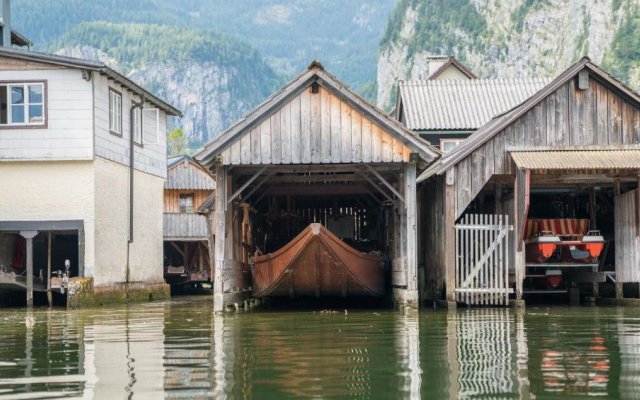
(177, 349)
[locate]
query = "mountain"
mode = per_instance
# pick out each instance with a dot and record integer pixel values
(212, 78)
(214, 59)
(509, 38)
(343, 35)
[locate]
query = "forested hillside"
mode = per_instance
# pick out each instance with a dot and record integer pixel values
(510, 38)
(212, 78)
(214, 59)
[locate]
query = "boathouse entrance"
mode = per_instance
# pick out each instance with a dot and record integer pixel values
(314, 152)
(564, 166)
(482, 254)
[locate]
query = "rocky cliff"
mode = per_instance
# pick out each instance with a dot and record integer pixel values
(497, 38)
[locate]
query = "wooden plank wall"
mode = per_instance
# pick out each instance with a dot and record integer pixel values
(315, 129)
(431, 239)
(627, 238)
(172, 199)
(569, 117)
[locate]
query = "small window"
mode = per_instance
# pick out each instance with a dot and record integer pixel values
(137, 125)
(186, 203)
(446, 145)
(115, 112)
(22, 104)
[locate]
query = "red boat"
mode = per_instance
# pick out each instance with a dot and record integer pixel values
(316, 263)
(576, 241)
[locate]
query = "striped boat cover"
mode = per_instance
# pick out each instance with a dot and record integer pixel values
(558, 226)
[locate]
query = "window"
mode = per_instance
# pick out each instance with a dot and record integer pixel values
(186, 203)
(22, 104)
(137, 125)
(115, 112)
(446, 145)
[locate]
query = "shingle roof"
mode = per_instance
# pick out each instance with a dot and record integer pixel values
(461, 104)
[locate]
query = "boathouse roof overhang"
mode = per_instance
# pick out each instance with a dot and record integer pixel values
(316, 119)
(583, 109)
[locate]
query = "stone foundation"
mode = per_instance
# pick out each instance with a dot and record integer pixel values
(406, 298)
(83, 294)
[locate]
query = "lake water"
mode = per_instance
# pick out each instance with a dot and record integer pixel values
(178, 349)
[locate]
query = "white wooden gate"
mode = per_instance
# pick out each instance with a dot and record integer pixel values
(482, 259)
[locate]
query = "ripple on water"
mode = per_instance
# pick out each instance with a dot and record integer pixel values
(179, 349)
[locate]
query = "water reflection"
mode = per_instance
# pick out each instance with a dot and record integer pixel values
(180, 349)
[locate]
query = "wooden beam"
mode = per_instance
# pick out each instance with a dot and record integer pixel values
(244, 186)
(385, 182)
(220, 237)
(315, 178)
(319, 168)
(252, 191)
(29, 235)
(378, 188)
(522, 188)
(449, 236)
(592, 209)
(177, 248)
(49, 294)
(411, 242)
(316, 190)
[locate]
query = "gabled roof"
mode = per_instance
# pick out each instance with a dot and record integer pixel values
(315, 73)
(183, 172)
(452, 62)
(493, 127)
(96, 66)
(435, 105)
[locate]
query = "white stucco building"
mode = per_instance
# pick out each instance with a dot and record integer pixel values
(83, 156)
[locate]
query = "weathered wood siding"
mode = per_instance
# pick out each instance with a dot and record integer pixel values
(68, 134)
(152, 156)
(627, 238)
(312, 129)
(187, 175)
(172, 199)
(569, 117)
(185, 227)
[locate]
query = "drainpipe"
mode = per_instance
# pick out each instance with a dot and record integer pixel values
(131, 183)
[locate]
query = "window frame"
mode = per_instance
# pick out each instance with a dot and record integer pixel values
(137, 110)
(450, 140)
(117, 93)
(190, 195)
(45, 104)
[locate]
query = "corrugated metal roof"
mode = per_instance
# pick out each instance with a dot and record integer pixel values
(462, 104)
(578, 159)
(185, 173)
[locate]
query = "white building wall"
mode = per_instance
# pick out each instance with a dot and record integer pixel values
(112, 222)
(69, 134)
(151, 157)
(50, 191)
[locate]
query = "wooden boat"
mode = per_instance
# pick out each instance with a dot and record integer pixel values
(316, 263)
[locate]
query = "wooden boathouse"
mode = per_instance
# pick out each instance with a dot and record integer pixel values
(564, 165)
(188, 187)
(314, 152)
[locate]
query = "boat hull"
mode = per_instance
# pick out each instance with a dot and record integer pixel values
(316, 263)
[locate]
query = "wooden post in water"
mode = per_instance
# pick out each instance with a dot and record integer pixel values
(29, 235)
(220, 236)
(411, 238)
(49, 296)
